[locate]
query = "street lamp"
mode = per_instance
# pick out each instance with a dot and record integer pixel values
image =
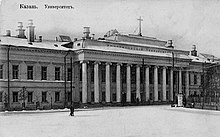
(65, 76)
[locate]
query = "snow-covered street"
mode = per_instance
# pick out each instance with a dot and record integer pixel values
(141, 121)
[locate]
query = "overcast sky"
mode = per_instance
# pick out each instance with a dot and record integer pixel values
(186, 22)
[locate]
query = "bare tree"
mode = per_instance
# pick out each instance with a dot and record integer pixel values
(23, 95)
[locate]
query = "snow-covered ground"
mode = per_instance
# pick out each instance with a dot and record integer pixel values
(142, 121)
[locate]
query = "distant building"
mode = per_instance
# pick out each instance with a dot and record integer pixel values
(116, 69)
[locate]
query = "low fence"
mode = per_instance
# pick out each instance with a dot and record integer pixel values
(212, 103)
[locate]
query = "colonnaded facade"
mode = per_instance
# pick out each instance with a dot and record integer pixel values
(116, 69)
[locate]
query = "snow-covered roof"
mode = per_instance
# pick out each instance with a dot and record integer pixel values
(122, 50)
(202, 58)
(45, 44)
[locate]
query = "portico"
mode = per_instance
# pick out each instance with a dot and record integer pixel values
(162, 91)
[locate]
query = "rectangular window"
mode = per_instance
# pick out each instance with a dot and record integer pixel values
(103, 74)
(15, 71)
(142, 74)
(57, 96)
(195, 79)
(44, 96)
(15, 96)
(69, 72)
(175, 73)
(159, 76)
(1, 96)
(1, 71)
(113, 73)
(183, 78)
(167, 77)
(92, 74)
(57, 73)
(124, 74)
(43, 73)
(30, 96)
(190, 83)
(151, 76)
(80, 73)
(133, 75)
(30, 72)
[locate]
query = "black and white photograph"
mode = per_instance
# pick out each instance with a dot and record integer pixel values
(109, 68)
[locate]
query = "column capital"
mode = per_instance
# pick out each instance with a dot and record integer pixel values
(129, 65)
(119, 64)
(156, 66)
(97, 62)
(165, 67)
(175, 69)
(108, 63)
(138, 65)
(147, 66)
(84, 61)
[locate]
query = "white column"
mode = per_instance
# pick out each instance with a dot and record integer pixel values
(128, 83)
(180, 80)
(138, 82)
(187, 84)
(107, 82)
(155, 83)
(96, 82)
(164, 84)
(171, 84)
(118, 82)
(147, 85)
(84, 82)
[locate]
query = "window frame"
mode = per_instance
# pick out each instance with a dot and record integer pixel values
(43, 73)
(44, 96)
(57, 73)
(1, 71)
(15, 97)
(1, 96)
(30, 100)
(57, 96)
(15, 71)
(30, 72)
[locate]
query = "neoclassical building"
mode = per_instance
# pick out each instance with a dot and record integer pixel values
(115, 69)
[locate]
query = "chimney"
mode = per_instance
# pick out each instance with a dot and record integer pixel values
(30, 31)
(20, 30)
(8, 33)
(86, 32)
(194, 51)
(170, 44)
(40, 38)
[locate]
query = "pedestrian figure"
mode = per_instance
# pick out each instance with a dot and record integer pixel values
(72, 109)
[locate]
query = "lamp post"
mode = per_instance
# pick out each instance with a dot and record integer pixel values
(65, 77)
(23, 97)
